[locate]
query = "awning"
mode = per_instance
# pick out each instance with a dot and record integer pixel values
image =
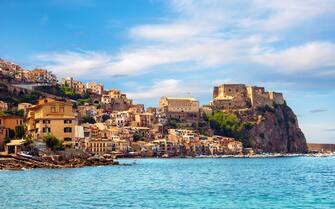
(16, 142)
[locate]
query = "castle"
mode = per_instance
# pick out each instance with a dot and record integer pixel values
(182, 109)
(239, 96)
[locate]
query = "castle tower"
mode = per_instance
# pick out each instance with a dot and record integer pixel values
(215, 92)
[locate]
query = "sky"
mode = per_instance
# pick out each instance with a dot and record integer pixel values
(154, 48)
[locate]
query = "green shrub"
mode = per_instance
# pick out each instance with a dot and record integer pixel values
(226, 124)
(20, 131)
(52, 142)
(87, 119)
(137, 137)
(12, 112)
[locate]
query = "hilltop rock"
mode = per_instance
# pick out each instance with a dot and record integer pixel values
(265, 121)
(275, 129)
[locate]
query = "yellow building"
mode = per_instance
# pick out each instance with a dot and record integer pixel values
(8, 125)
(99, 146)
(179, 104)
(24, 107)
(182, 109)
(144, 119)
(53, 117)
(93, 87)
(3, 106)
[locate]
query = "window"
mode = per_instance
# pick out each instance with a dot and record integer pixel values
(67, 139)
(67, 121)
(36, 130)
(46, 130)
(61, 109)
(67, 130)
(53, 109)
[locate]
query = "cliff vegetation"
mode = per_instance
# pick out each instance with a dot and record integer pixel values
(268, 129)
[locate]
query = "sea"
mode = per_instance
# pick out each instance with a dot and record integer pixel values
(289, 182)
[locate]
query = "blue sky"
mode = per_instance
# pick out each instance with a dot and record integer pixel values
(151, 48)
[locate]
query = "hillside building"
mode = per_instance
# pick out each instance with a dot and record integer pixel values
(114, 100)
(3, 106)
(53, 117)
(181, 109)
(8, 125)
(95, 88)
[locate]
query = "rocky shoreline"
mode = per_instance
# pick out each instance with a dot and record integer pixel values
(15, 163)
(272, 155)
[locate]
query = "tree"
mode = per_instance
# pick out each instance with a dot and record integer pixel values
(52, 142)
(137, 137)
(228, 124)
(20, 131)
(87, 119)
(6, 140)
(105, 117)
(11, 134)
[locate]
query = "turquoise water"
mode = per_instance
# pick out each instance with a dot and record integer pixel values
(299, 182)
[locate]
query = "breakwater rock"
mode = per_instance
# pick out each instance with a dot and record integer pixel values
(17, 163)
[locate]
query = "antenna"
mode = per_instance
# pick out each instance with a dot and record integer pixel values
(189, 95)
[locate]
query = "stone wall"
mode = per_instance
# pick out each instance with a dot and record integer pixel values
(321, 147)
(220, 104)
(179, 104)
(184, 116)
(226, 91)
(239, 96)
(230, 96)
(258, 96)
(277, 98)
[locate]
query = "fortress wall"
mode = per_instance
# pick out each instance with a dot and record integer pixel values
(238, 96)
(215, 92)
(258, 96)
(232, 90)
(230, 104)
(277, 98)
(321, 147)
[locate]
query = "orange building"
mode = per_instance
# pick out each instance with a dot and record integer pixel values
(8, 124)
(53, 117)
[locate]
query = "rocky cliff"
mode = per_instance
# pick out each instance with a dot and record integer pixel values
(275, 129)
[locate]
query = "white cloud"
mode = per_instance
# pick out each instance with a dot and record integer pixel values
(285, 14)
(74, 63)
(166, 32)
(208, 33)
(267, 15)
(309, 56)
(169, 87)
(135, 60)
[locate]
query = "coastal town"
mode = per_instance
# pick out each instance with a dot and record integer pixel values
(43, 117)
